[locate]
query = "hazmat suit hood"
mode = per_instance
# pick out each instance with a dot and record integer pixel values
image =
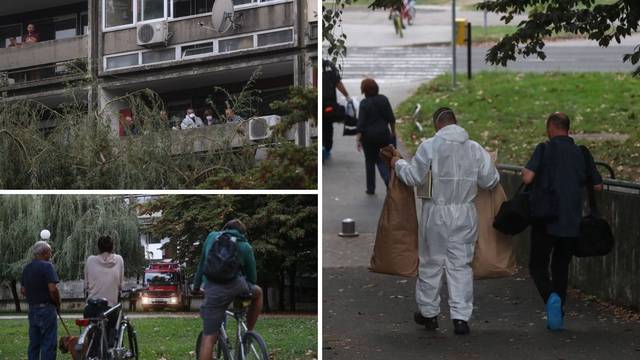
(453, 133)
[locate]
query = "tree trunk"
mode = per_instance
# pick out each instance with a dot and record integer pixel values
(292, 288)
(14, 292)
(281, 290)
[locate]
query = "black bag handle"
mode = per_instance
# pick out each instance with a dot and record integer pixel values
(589, 183)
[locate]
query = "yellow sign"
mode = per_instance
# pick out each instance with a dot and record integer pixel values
(461, 31)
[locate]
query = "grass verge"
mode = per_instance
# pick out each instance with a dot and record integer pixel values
(287, 338)
(507, 111)
(495, 33)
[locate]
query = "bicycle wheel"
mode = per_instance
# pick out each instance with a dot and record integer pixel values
(94, 349)
(254, 346)
(221, 350)
(412, 15)
(398, 21)
(129, 348)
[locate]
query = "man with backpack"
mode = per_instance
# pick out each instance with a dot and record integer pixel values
(331, 110)
(559, 171)
(227, 269)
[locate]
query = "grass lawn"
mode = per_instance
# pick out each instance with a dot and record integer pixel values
(507, 111)
(494, 33)
(287, 338)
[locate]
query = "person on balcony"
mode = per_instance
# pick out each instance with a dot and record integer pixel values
(231, 116)
(191, 121)
(13, 42)
(31, 36)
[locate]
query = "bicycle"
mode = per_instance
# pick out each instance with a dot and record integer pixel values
(94, 342)
(248, 344)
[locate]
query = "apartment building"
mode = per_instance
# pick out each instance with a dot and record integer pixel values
(104, 49)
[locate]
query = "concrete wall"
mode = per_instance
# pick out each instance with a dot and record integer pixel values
(615, 277)
(188, 30)
(43, 53)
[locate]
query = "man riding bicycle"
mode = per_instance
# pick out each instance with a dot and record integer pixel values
(227, 269)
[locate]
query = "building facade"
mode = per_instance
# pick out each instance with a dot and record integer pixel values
(101, 50)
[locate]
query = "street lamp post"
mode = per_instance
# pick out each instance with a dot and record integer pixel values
(453, 43)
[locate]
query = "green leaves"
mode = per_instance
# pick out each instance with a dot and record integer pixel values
(601, 22)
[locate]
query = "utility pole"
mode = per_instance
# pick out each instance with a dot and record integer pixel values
(453, 43)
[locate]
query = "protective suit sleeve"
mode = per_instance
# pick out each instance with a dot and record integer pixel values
(488, 175)
(414, 173)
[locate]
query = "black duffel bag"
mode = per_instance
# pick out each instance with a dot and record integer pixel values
(596, 237)
(514, 215)
(350, 121)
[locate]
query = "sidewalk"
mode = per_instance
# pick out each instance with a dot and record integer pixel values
(370, 316)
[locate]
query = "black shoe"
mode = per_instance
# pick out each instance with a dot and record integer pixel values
(460, 327)
(371, 192)
(430, 323)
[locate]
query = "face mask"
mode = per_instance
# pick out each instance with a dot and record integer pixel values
(192, 115)
(209, 118)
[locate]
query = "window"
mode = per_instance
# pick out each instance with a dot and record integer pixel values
(276, 37)
(151, 9)
(197, 49)
(118, 12)
(121, 61)
(191, 7)
(241, 2)
(239, 43)
(84, 24)
(151, 57)
(65, 27)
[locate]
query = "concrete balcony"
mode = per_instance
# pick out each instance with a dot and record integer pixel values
(43, 53)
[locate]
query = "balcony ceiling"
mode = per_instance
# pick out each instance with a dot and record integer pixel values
(8, 7)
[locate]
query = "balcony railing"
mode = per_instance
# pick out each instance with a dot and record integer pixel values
(49, 73)
(44, 53)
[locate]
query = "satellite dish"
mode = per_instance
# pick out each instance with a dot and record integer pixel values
(222, 15)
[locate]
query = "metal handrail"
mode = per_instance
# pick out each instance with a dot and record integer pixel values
(609, 182)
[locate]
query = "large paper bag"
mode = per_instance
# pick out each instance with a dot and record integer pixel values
(396, 247)
(494, 255)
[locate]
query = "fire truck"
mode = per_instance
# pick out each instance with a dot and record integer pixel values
(165, 287)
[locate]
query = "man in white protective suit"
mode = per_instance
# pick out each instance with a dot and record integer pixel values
(449, 226)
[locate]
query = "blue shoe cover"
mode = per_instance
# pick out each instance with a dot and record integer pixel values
(554, 312)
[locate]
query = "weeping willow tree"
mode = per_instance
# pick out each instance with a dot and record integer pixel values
(79, 149)
(75, 223)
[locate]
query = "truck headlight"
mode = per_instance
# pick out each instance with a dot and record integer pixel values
(146, 300)
(173, 300)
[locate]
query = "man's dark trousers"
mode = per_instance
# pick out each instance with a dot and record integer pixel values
(43, 332)
(327, 134)
(546, 248)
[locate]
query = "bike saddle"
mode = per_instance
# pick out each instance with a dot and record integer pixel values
(98, 302)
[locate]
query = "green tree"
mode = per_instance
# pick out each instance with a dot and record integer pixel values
(600, 22)
(75, 223)
(282, 230)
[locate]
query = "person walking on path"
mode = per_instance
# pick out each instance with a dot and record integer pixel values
(560, 163)
(39, 286)
(331, 81)
(449, 226)
(376, 129)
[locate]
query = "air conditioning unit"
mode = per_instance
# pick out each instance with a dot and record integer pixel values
(260, 127)
(153, 33)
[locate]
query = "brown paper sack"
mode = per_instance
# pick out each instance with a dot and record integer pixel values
(494, 255)
(396, 248)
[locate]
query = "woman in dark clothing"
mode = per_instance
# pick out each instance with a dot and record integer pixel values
(376, 129)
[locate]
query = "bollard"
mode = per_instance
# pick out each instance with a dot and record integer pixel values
(348, 228)
(469, 50)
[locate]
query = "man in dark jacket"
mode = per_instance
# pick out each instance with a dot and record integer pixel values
(330, 82)
(561, 164)
(39, 286)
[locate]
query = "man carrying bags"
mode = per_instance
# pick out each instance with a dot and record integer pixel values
(449, 227)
